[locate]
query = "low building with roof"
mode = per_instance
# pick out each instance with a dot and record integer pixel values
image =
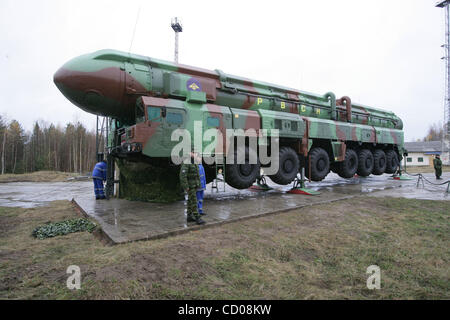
(422, 153)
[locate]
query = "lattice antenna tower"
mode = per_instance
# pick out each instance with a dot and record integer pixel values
(445, 5)
(177, 27)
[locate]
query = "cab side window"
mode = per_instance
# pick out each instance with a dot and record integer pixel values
(213, 122)
(174, 118)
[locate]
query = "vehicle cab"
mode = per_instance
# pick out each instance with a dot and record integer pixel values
(156, 119)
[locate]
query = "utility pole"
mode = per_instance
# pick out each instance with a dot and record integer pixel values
(446, 136)
(177, 27)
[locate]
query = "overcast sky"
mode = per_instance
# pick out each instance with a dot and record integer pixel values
(384, 54)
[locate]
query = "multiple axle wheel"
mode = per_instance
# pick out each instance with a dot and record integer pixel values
(317, 165)
(365, 162)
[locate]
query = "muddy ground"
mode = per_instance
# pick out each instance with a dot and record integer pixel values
(319, 252)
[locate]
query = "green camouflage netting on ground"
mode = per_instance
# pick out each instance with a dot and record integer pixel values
(63, 227)
(145, 182)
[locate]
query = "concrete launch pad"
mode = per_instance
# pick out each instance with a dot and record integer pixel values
(123, 221)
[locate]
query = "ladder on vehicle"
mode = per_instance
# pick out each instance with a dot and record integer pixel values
(220, 169)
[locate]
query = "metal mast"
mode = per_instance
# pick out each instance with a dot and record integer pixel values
(177, 27)
(445, 5)
(101, 137)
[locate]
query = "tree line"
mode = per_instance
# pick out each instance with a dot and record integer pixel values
(436, 132)
(69, 148)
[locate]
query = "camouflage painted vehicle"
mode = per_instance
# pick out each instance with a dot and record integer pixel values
(148, 98)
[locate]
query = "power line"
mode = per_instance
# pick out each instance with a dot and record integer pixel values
(134, 29)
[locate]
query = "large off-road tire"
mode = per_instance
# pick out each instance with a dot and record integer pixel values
(365, 162)
(320, 164)
(348, 167)
(391, 161)
(289, 166)
(242, 176)
(379, 162)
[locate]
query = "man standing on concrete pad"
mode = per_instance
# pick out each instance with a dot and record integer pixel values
(190, 182)
(99, 176)
(201, 191)
(437, 163)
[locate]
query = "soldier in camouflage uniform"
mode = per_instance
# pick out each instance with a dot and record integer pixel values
(437, 163)
(190, 182)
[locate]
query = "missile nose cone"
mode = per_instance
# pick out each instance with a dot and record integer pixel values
(67, 83)
(93, 83)
(60, 77)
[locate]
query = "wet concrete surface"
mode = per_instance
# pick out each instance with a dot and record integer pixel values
(34, 194)
(124, 220)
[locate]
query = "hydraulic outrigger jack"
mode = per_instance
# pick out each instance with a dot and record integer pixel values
(261, 185)
(399, 176)
(299, 186)
(109, 188)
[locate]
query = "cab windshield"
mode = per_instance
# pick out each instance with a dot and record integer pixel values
(154, 114)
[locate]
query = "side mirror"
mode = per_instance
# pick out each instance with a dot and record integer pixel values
(163, 112)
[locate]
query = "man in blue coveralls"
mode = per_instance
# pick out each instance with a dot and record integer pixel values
(201, 190)
(99, 175)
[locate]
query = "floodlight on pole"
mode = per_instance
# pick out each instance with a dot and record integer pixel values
(442, 4)
(177, 27)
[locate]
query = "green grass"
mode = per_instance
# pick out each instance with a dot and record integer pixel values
(319, 252)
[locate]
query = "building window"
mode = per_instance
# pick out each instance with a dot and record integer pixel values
(409, 159)
(420, 159)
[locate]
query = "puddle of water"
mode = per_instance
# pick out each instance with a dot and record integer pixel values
(29, 194)
(33, 194)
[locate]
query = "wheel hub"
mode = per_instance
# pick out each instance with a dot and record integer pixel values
(320, 164)
(352, 162)
(245, 169)
(288, 165)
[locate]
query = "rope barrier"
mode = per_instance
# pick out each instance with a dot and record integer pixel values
(422, 178)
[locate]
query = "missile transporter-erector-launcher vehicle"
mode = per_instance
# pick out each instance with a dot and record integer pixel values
(146, 99)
